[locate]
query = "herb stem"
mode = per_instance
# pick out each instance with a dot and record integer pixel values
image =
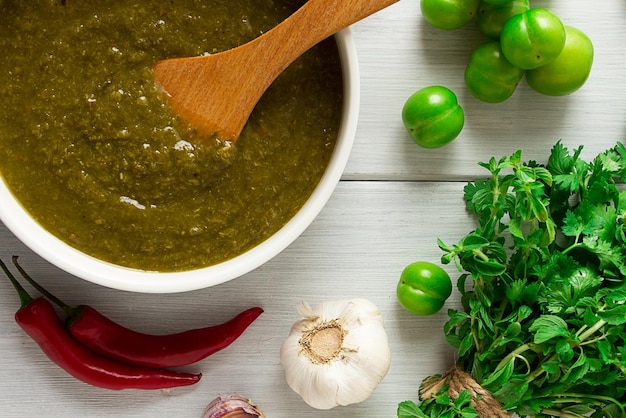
(528, 366)
(481, 255)
(513, 354)
(573, 246)
(589, 332)
(595, 340)
(496, 194)
(540, 370)
(557, 413)
(477, 340)
(591, 399)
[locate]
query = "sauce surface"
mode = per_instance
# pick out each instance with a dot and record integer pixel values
(90, 148)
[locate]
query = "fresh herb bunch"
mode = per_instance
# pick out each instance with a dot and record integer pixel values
(543, 325)
(441, 405)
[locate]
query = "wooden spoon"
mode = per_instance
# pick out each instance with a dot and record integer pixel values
(216, 93)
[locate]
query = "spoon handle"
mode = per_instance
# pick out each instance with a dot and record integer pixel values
(318, 19)
(315, 21)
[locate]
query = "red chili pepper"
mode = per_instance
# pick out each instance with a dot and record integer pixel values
(106, 337)
(102, 335)
(39, 320)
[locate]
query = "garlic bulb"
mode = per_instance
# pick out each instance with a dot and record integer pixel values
(232, 406)
(337, 354)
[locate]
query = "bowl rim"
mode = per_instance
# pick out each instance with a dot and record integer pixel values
(106, 274)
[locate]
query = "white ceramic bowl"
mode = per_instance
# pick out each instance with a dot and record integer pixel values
(89, 268)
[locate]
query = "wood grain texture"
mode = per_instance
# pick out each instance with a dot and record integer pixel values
(394, 201)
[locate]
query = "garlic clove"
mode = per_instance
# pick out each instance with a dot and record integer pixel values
(232, 406)
(337, 354)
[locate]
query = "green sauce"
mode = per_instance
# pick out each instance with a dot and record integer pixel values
(90, 148)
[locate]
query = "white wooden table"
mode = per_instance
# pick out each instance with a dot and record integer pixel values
(395, 199)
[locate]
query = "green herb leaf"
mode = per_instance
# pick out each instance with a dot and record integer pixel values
(547, 327)
(409, 409)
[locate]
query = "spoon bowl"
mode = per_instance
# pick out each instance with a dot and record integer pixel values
(217, 93)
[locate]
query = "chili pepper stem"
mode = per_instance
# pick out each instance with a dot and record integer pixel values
(70, 310)
(25, 298)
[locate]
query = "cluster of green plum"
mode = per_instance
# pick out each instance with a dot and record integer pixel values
(555, 58)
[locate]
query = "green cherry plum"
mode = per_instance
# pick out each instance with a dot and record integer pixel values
(489, 76)
(433, 116)
(423, 288)
(491, 17)
(533, 38)
(567, 72)
(449, 14)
